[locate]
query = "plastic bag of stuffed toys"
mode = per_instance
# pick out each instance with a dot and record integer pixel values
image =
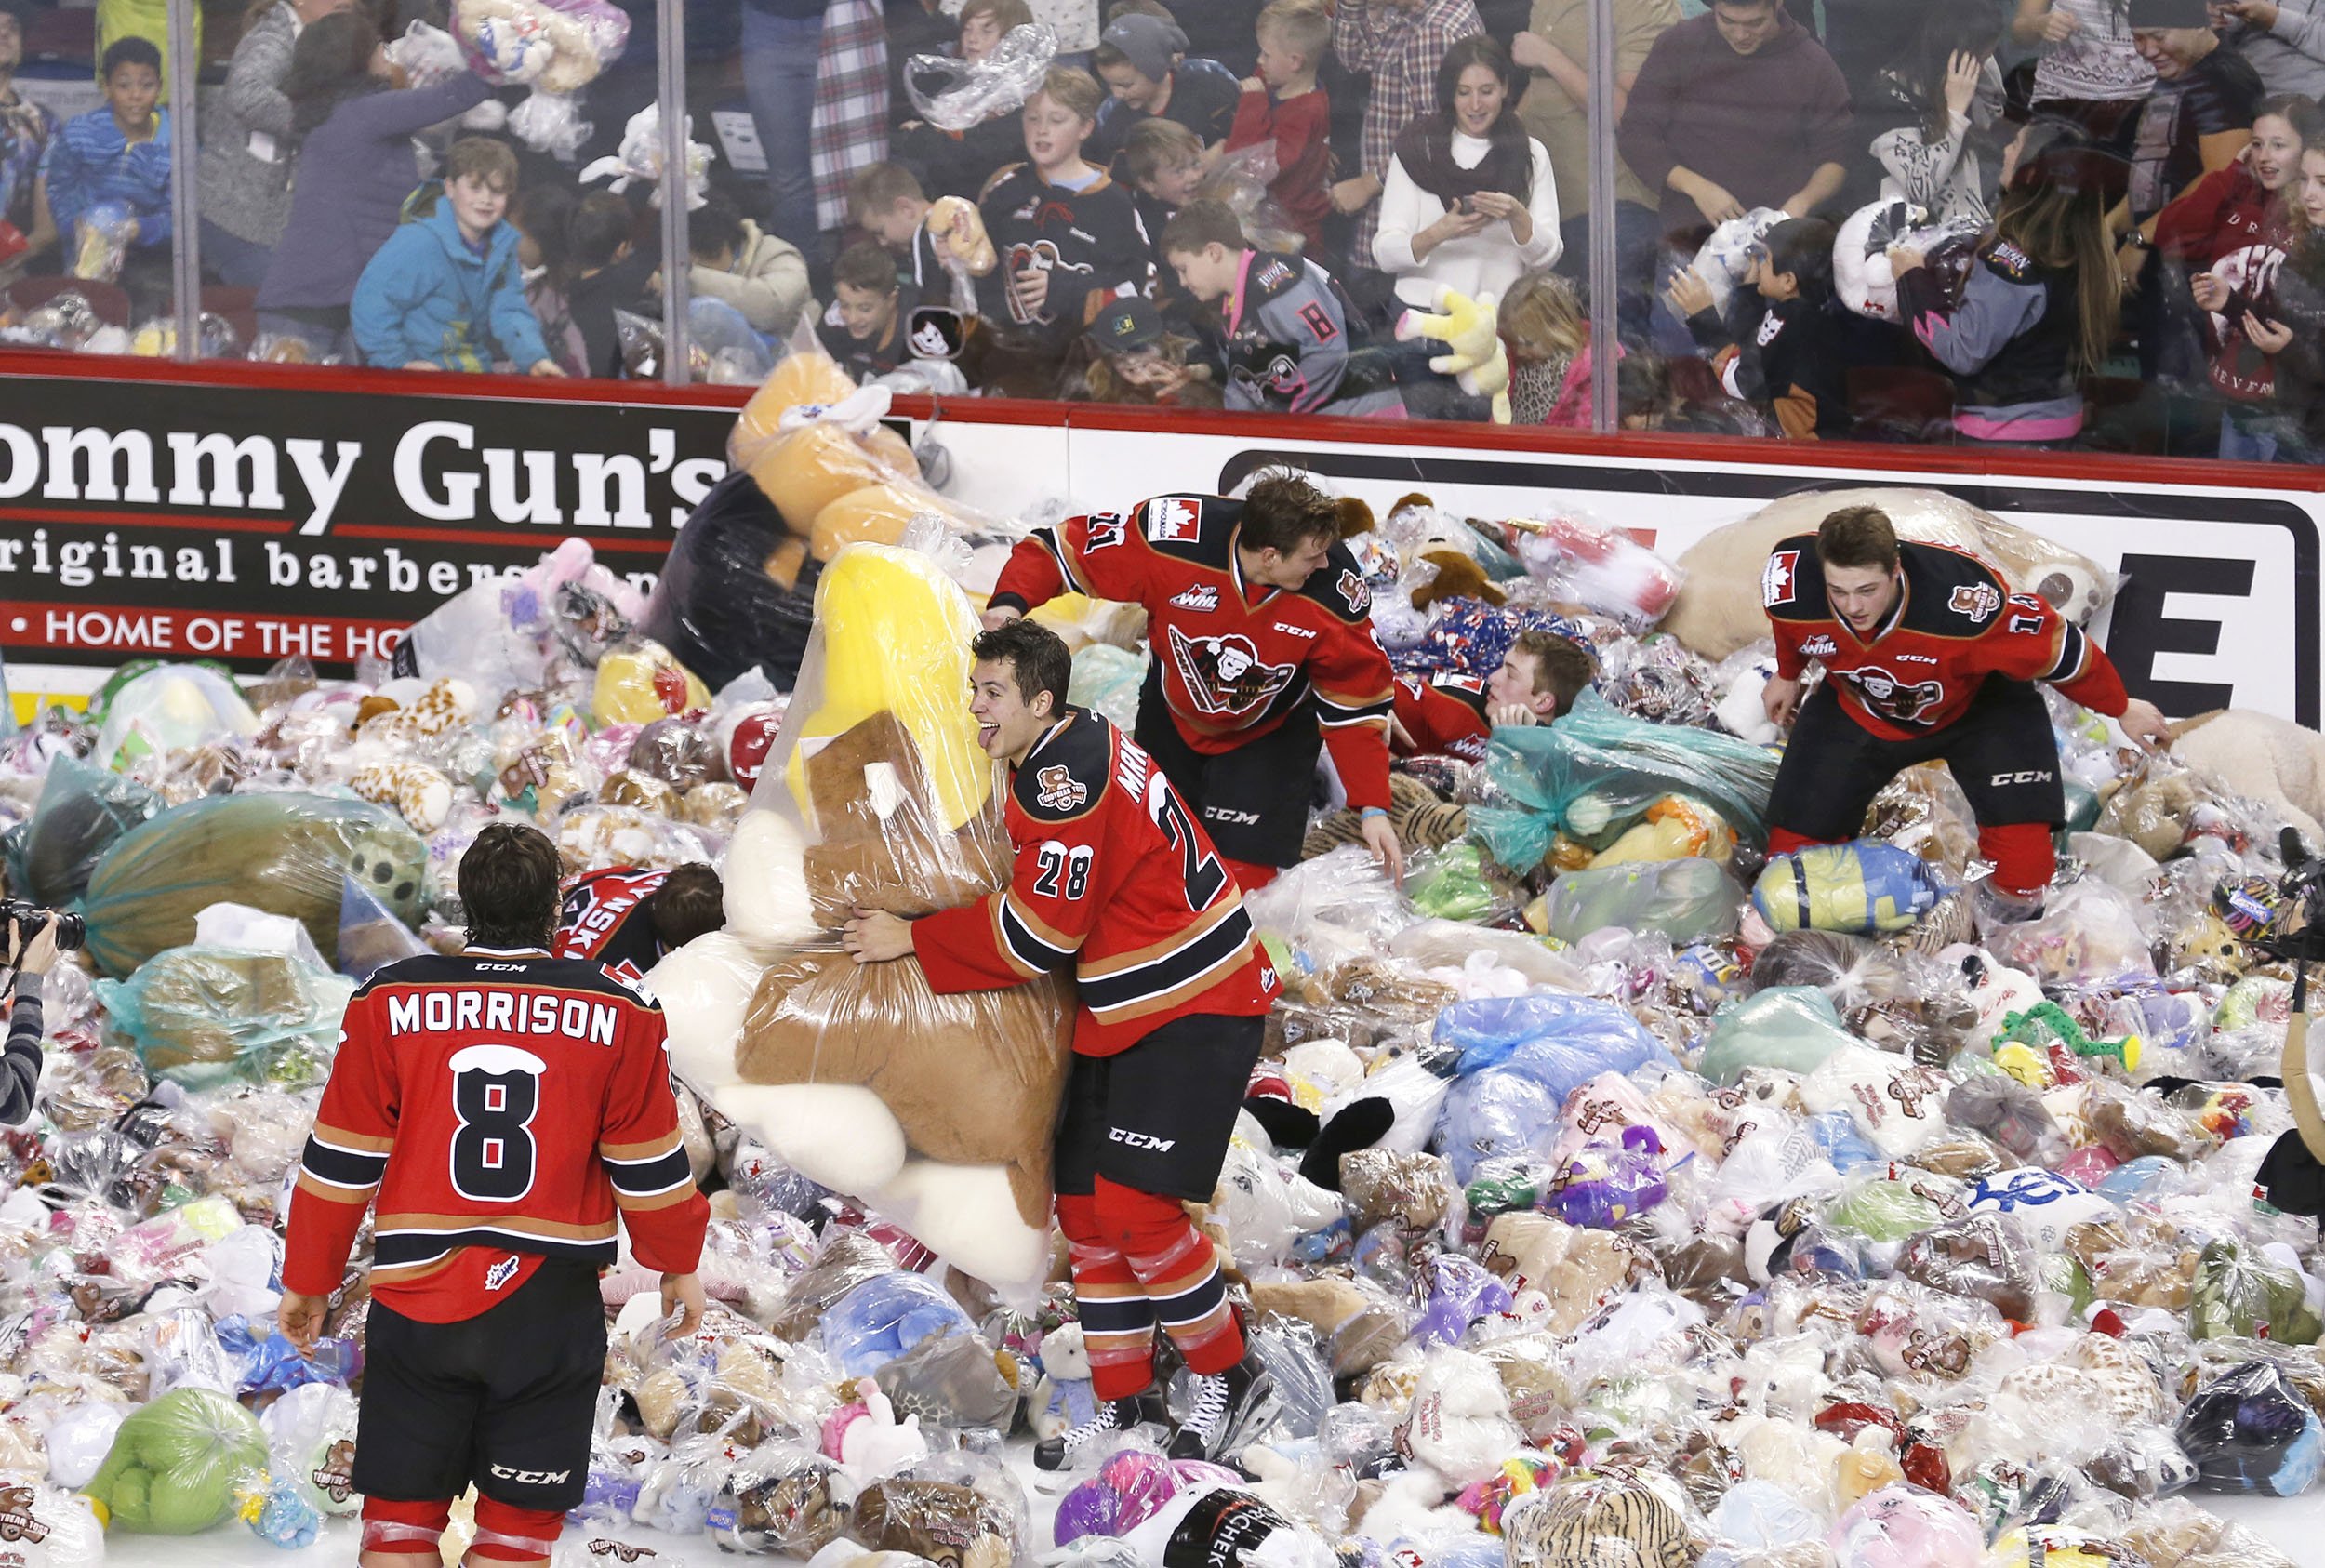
(639, 158)
(554, 46)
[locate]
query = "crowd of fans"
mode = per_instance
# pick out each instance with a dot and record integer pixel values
(2021, 223)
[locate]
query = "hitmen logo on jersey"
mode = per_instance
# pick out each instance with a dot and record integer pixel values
(1201, 598)
(1356, 590)
(1223, 674)
(1056, 788)
(1779, 577)
(1891, 698)
(1976, 600)
(1174, 520)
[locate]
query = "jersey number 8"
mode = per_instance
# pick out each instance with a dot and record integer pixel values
(496, 1093)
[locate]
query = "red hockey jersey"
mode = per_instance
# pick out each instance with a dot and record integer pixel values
(1235, 660)
(501, 1106)
(1955, 622)
(603, 920)
(1115, 877)
(1444, 714)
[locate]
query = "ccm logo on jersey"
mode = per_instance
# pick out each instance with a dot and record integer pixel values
(2032, 775)
(1140, 1140)
(1201, 598)
(1058, 790)
(530, 1478)
(1976, 600)
(1173, 520)
(1779, 577)
(1225, 813)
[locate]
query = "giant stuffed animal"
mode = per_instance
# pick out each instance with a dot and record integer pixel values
(814, 470)
(935, 1110)
(2262, 758)
(1718, 608)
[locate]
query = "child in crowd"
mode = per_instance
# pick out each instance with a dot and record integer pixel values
(1138, 360)
(1068, 237)
(1143, 61)
(599, 245)
(1789, 360)
(1161, 163)
(1548, 338)
(445, 292)
(1286, 333)
(1456, 713)
(887, 202)
(865, 327)
(106, 173)
(959, 162)
(1283, 105)
(761, 274)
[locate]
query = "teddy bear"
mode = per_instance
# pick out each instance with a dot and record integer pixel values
(935, 1112)
(1719, 611)
(1475, 358)
(951, 1525)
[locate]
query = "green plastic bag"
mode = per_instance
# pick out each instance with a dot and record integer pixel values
(1793, 1028)
(174, 1465)
(1686, 900)
(1594, 773)
(207, 1018)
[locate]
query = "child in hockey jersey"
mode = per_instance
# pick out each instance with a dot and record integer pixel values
(1787, 360)
(1068, 237)
(1287, 335)
(864, 328)
(1283, 105)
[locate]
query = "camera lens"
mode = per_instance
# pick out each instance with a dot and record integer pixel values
(72, 932)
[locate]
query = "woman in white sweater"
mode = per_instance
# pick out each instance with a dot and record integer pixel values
(1471, 201)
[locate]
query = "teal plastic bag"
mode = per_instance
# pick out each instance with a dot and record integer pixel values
(82, 810)
(1594, 771)
(208, 1018)
(1793, 1028)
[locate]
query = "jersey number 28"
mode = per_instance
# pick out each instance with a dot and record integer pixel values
(1203, 875)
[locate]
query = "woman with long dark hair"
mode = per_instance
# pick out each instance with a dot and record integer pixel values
(1929, 108)
(353, 121)
(1469, 200)
(2038, 309)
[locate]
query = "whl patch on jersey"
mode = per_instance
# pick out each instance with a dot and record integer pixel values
(1058, 790)
(1202, 598)
(1976, 600)
(1779, 578)
(1820, 646)
(1174, 520)
(1224, 675)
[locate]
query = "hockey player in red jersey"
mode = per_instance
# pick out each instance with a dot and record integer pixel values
(1927, 656)
(1454, 715)
(1264, 651)
(1115, 878)
(626, 919)
(502, 1105)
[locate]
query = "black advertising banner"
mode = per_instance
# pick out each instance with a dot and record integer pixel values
(248, 523)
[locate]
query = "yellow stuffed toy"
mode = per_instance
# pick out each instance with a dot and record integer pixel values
(1477, 362)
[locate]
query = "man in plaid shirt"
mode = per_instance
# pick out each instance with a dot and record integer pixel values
(1401, 43)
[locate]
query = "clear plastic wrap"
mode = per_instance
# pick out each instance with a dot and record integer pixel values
(955, 95)
(287, 854)
(177, 1465)
(82, 810)
(1599, 569)
(206, 1016)
(1686, 900)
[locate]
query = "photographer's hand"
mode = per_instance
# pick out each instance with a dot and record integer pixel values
(40, 955)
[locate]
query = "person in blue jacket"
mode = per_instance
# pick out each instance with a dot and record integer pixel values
(446, 292)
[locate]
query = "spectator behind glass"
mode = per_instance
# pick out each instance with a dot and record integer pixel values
(25, 130)
(1924, 113)
(1161, 163)
(865, 327)
(543, 219)
(1136, 359)
(245, 167)
(1282, 106)
(2283, 39)
(1470, 203)
(959, 162)
(445, 291)
(2197, 120)
(1786, 359)
(1067, 238)
(1548, 338)
(2040, 304)
(1737, 109)
(598, 245)
(1650, 401)
(1286, 333)
(734, 260)
(782, 50)
(2088, 71)
(1142, 60)
(2228, 236)
(2301, 311)
(106, 178)
(356, 166)
(1556, 113)
(1401, 43)
(886, 201)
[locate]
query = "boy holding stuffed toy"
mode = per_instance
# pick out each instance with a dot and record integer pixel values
(1117, 879)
